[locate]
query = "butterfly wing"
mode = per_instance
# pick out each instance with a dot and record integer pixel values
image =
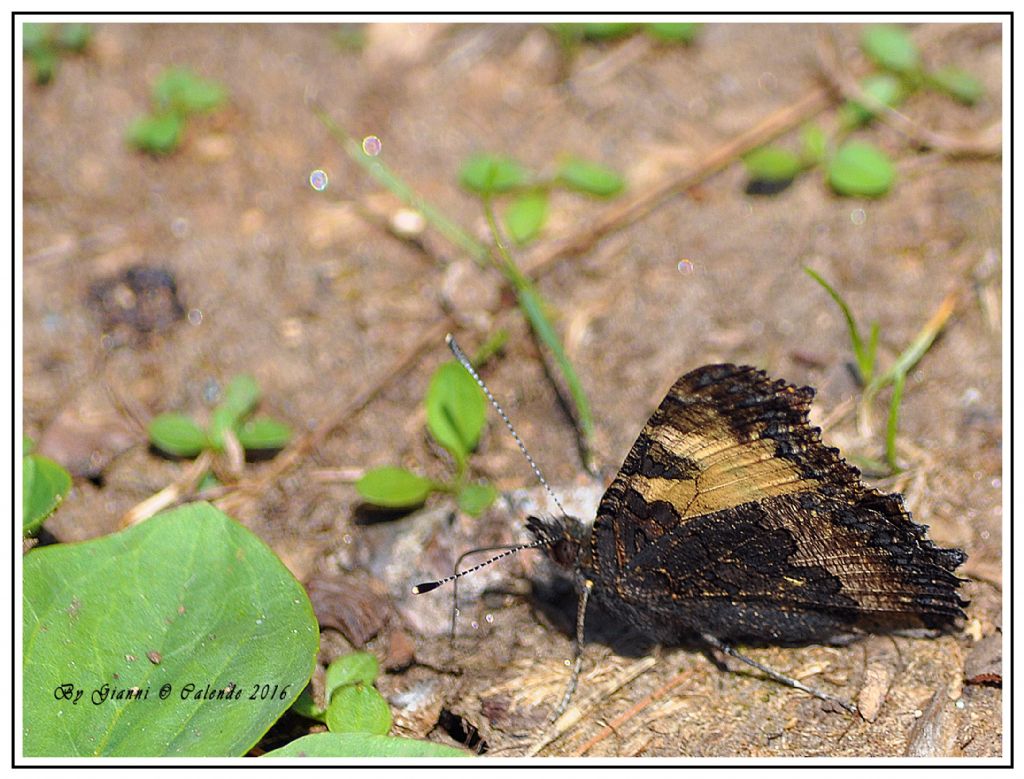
(730, 516)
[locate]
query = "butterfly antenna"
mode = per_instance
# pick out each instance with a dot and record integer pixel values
(423, 587)
(464, 361)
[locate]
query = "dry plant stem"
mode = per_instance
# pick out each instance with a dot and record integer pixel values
(621, 215)
(627, 715)
(575, 713)
(298, 451)
(986, 142)
(171, 494)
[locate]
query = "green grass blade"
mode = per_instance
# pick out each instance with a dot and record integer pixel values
(391, 181)
(892, 424)
(851, 324)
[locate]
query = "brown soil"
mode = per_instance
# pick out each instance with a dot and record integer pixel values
(305, 290)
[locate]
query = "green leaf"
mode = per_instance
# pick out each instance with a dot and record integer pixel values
(188, 597)
(74, 37)
(353, 668)
(487, 174)
(358, 708)
(221, 420)
(263, 433)
(305, 706)
(475, 499)
(526, 215)
(181, 91)
(890, 47)
(885, 88)
(606, 31)
(814, 144)
(241, 396)
(673, 32)
(861, 170)
(45, 484)
(177, 434)
(456, 410)
(363, 745)
(590, 178)
(158, 134)
(771, 163)
(957, 83)
(394, 487)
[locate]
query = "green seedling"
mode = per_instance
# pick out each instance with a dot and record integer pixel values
(357, 716)
(44, 486)
(181, 436)
(572, 35)
(873, 382)
(856, 168)
(486, 174)
(177, 94)
(456, 415)
(490, 175)
(43, 46)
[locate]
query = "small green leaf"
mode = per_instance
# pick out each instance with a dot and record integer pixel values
(27, 444)
(590, 178)
(74, 37)
(885, 88)
(34, 36)
(263, 433)
(771, 163)
(305, 706)
(890, 47)
(177, 434)
(158, 134)
(44, 64)
(221, 420)
(861, 170)
(241, 396)
(181, 91)
(673, 32)
(957, 83)
(363, 745)
(353, 668)
(456, 410)
(475, 499)
(486, 174)
(606, 31)
(394, 487)
(814, 144)
(45, 484)
(526, 215)
(358, 708)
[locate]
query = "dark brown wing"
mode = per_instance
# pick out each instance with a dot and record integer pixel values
(730, 512)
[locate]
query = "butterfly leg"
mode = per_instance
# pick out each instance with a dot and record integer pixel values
(581, 613)
(786, 680)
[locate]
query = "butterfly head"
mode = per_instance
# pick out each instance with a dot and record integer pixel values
(564, 538)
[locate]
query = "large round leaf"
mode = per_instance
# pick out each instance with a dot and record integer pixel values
(189, 608)
(363, 745)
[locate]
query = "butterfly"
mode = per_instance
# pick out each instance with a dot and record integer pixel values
(730, 521)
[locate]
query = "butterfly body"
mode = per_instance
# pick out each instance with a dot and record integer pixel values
(729, 518)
